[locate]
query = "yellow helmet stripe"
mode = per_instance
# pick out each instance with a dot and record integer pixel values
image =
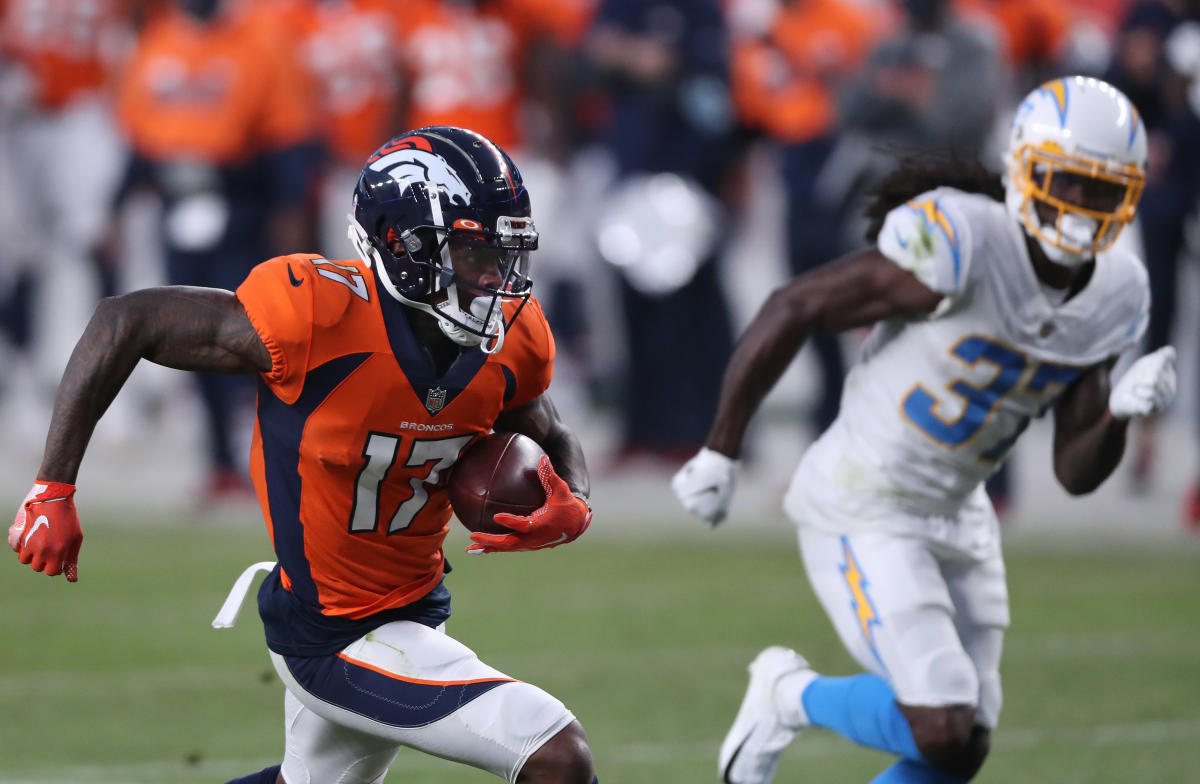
(1058, 90)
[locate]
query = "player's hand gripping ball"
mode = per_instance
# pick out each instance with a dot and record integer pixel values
(497, 474)
(505, 490)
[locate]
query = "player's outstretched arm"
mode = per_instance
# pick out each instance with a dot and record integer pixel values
(856, 290)
(177, 326)
(564, 477)
(1090, 420)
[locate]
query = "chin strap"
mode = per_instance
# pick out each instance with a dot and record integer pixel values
(450, 312)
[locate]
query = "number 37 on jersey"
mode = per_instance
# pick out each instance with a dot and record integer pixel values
(1016, 384)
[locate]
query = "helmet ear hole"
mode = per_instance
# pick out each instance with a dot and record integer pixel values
(423, 240)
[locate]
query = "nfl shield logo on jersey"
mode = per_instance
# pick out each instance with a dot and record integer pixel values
(434, 400)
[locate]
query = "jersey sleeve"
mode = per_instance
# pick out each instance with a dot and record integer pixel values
(532, 363)
(927, 237)
(281, 311)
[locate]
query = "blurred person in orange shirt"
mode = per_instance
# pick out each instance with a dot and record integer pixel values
(350, 53)
(785, 78)
(503, 68)
(219, 119)
(57, 59)
(478, 63)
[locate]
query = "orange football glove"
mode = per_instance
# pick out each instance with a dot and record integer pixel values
(563, 518)
(51, 543)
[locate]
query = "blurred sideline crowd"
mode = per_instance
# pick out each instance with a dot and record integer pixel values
(643, 128)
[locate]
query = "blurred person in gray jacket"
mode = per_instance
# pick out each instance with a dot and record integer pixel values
(935, 85)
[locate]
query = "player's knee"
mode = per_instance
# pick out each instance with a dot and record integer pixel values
(949, 739)
(991, 698)
(564, 759)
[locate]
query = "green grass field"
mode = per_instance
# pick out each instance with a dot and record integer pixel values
(120, 679)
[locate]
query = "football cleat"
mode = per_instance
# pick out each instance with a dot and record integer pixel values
(751, 749)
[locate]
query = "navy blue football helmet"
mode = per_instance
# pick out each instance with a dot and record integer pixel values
(443, 218)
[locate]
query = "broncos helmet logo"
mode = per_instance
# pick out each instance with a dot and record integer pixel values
(408, 166)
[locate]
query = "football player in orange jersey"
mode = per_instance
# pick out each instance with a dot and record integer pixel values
(373, 376)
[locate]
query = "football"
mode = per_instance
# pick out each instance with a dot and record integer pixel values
(498, 473)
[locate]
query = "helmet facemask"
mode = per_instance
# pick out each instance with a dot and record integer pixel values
(1073, 205)
(1075, 165)
(459, 274)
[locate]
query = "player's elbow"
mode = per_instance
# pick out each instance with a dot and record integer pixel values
(1075, 481)
(796, 306)
(114, 315)
(118, 321)
(1076, 487)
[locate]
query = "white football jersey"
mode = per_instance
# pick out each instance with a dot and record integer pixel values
(934, 404)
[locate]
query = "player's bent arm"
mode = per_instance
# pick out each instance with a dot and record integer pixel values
(181, 327)
(566, 514)
(1088, 439)
(539, 419)
(856, 290)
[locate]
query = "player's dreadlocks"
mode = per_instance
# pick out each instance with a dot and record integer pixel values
(915, 174)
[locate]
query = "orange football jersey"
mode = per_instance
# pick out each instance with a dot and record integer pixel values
(350, 52)
(220, 92)
(68, 46)
(786, 84)
(355, 432)
(465, 66)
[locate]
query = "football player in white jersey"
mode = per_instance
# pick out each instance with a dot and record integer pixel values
(992, 302)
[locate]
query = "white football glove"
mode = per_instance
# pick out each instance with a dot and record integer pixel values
(1147, 387)
(705, 484)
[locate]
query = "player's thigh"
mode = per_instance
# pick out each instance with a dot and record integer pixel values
(979, 592)
(418, 687)
(890, 605)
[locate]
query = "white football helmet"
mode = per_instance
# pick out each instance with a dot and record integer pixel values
(1075, 166)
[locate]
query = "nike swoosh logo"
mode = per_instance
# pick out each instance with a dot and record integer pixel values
(733, 759)
(709, 489)
(903, 243)
(561, 538)
(292, 277)
(38, 523)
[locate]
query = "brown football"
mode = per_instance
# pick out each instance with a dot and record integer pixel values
(498, 473)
